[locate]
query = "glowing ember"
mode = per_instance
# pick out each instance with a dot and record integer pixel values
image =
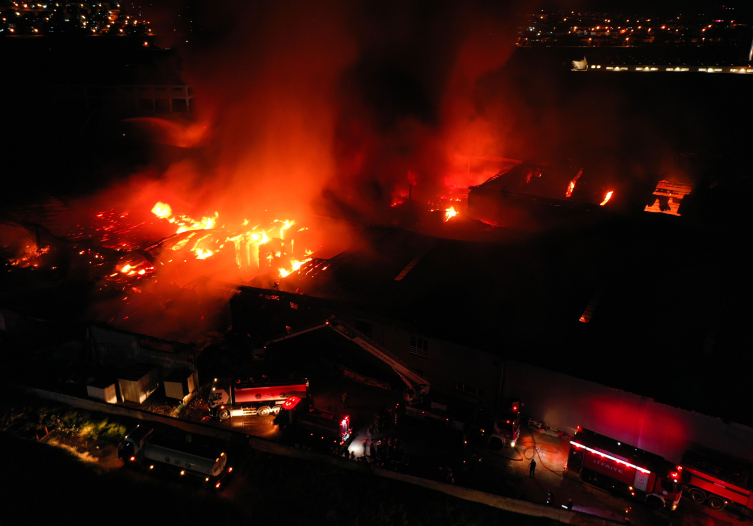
(607, 198)
(450, 213)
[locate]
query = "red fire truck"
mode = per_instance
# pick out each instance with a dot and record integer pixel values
(615, 465)
(317, 422)
(502, 431)
(239, 398)
(718, 480)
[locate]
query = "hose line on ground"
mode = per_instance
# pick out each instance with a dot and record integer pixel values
(537, 452)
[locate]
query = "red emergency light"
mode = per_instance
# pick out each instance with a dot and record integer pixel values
(291, 403)
(604, 455)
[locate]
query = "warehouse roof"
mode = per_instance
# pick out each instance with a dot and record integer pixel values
(647, 304)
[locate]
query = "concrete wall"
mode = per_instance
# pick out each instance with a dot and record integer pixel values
(564, 402)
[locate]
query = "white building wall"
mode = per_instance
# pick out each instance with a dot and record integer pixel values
(564, 402)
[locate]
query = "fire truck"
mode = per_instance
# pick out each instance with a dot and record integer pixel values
(416, 386)
(317, 422)
(230, 398)
(718, 480)
(615, 465)
(496, 433)
(143, 446)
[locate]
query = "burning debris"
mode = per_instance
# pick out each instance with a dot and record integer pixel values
(257, 249)
(667, 197)
(450, 213)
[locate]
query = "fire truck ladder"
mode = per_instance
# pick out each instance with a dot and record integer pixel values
(417, 385)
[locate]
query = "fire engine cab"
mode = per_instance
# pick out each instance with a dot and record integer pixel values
(502, 431)
(614, 465)
(317, 422)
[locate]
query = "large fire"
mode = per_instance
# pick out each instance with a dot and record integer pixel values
(607, 198)
(256, 249)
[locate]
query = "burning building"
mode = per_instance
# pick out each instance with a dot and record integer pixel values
(249, 200)
(533, 197)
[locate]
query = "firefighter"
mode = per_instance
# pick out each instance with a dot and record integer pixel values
(345, 399)
(532, 469)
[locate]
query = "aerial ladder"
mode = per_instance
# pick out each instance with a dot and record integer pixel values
(416, 385)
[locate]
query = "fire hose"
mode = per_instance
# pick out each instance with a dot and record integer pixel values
(537, 451)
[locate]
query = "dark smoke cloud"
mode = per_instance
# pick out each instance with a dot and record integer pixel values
(407, 114)
(341, 103)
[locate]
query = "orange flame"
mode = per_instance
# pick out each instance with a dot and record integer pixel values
(607, 198)
(295, 266)
(450, 213)
(571, 186)
(162, 210)
(247, 243)
(184, 223)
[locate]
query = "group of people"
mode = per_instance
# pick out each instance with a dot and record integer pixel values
(388, 452)
(385, 452)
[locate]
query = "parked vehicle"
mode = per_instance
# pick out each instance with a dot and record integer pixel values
(143, 446)
(718, 480)
(416, 386)
(301, 416)
(502, 431)
(231, 398)
(614, 465)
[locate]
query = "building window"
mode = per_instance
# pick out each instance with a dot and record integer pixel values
(146, 105)
(162, 106)
(469, 389)
(364, 328)
(419, 346)
(180, 106)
